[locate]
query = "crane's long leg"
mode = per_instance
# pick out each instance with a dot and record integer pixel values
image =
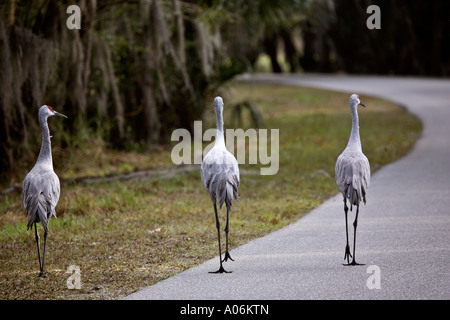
(347, 254)
(227, 229)
(37, 243)
(221, 269)
(355, 224)
(42, 274)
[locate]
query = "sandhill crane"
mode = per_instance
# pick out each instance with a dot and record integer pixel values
(352, 174)
(40, 189)
(220, 176)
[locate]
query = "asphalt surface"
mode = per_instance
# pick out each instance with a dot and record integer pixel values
(403, 235)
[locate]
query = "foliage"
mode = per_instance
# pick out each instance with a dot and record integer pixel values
(133, 72)
(138, 69)
(413, 39)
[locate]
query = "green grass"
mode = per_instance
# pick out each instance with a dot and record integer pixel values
(131, 234)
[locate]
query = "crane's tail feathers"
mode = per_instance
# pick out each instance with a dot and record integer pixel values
(354, 196)
(231, 193)
(43, 217)
(39, 209)
(229, 190)
(32, 208)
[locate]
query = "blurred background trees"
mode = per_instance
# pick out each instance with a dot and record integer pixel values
(138, 69)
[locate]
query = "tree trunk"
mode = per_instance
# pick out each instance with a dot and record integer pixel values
(271, 48)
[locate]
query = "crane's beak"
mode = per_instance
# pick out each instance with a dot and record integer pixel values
(59, 114)
(362, 104)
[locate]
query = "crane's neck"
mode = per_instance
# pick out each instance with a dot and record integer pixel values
(45, 155)
(354, 135)
(220, 139)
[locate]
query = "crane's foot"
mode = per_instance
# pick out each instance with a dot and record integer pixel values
(42, 274)
(347, 254)
(221, 270)
(227, 256)
(353, 263)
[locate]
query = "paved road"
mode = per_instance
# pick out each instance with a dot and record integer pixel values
(404, 230)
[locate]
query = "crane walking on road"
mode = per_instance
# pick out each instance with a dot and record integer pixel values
(220, 176)
(352, 175)
(40, 189)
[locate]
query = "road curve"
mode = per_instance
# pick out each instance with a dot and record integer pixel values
(403, 231)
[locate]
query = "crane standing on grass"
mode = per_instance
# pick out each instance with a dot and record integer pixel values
(40, 189)
(220, 176)
(352, 174)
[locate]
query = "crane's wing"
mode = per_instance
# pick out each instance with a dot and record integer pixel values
(220, 176)
(40, 195)
(352, 174)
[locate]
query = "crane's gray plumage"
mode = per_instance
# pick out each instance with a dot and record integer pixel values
(352, 172)
(221, 181)
(353, 176)
(41, 188)
(220, 175)
(40, 194)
